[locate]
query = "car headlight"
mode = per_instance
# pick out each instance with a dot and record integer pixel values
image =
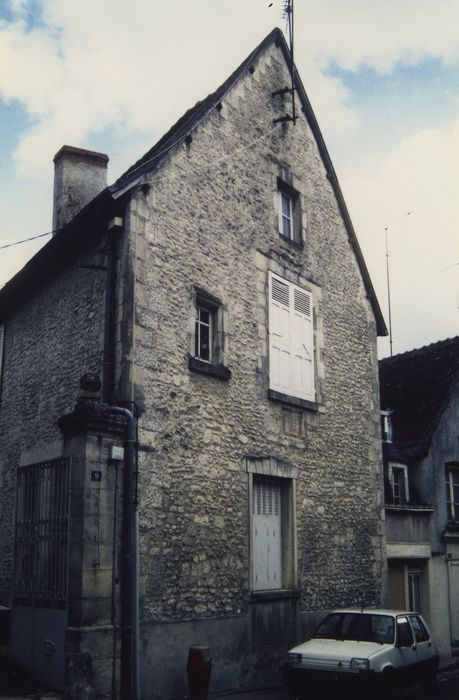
(293, 658)
(360, 664)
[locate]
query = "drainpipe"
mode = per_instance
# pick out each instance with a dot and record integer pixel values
(109, 313)
(129, 568)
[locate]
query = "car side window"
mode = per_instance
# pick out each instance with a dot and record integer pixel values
(419, 628)
(404, 633)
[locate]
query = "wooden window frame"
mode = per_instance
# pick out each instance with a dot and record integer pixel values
(396, 467)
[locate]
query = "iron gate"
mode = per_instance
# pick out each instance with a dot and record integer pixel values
(40, 593)
(42, 533)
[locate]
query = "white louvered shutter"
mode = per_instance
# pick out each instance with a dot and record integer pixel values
(291, 339)
(267, 552)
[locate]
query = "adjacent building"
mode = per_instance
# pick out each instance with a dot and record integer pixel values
(189, 417)
(420, 425)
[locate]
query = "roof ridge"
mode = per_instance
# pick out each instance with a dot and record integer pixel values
(433, 345)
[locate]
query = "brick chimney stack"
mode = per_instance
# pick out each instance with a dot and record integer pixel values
(79, 176)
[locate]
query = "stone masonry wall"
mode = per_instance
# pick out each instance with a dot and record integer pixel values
(209, 221)
(49, 344)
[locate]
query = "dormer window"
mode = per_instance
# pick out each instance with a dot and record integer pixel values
(386, 426)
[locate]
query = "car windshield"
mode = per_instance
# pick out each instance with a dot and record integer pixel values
(359, 627)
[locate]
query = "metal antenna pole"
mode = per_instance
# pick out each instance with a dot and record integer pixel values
(292, 69)
(388, 292)
(290, 19)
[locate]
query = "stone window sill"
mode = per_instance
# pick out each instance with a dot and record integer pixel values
(291, 241)
(409, 508)
(292, 400)
(217, 371)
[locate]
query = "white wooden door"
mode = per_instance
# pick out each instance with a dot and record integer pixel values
(267, 550)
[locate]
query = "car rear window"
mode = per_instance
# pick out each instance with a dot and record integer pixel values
(359, 627)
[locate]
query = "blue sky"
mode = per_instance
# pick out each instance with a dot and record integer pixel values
(382, 77)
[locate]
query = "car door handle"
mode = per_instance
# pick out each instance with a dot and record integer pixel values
(414, 648)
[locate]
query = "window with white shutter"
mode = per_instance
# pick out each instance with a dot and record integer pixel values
(291, 339)
(267, 535)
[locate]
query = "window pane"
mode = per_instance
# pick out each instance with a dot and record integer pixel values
(204, 342)
(285, 204)
(204, 316)
(398, 476)
(286, 227)
(203, 334)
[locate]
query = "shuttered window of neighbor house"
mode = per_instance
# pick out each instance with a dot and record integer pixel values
(267, 536)
(291, 339)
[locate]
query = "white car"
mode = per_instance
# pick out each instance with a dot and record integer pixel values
(367, 648)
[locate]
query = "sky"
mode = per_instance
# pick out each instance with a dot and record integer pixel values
(382, 77)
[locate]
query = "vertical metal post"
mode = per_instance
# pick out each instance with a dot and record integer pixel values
(388, 292)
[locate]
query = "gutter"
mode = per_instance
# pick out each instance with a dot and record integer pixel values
(129, 567)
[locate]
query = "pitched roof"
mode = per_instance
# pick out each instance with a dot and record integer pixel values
(154, 157)
(416, 386)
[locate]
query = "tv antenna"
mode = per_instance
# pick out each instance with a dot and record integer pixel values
(288, 15)
(386, 230)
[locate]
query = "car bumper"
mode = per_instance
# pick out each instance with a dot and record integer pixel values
(299, 680)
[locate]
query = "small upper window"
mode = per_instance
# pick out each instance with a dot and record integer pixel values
(289, 212)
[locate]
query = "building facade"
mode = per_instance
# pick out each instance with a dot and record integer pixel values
(216, 297)
(420, 402)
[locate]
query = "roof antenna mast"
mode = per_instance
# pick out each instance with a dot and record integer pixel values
(289, 15)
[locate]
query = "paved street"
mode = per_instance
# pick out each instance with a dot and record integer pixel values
(447, 689)
(447, 686)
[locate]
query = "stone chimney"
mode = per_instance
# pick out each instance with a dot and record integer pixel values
(79, 176)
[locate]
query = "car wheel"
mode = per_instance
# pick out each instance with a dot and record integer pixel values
(386, 685)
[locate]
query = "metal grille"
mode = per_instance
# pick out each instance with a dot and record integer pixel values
(42, 531)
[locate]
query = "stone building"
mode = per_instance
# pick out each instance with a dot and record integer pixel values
(210, 312)
(420, 410)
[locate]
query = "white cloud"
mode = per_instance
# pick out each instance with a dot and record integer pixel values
(88, 65)
(419, 177)
(132, 70)
(380, 33)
